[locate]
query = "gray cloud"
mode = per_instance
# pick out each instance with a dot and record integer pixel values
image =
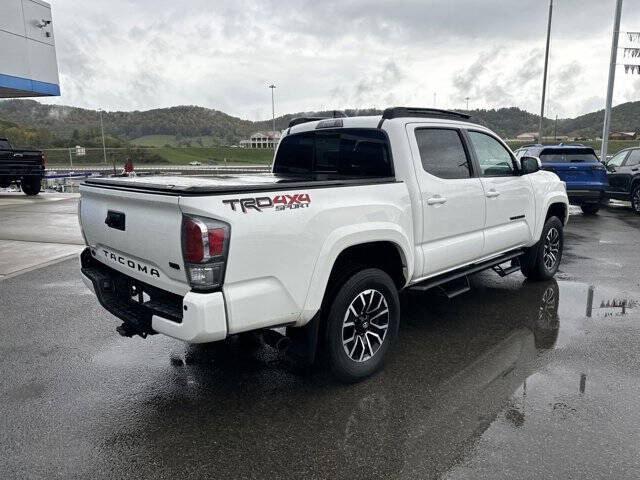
(331, 54)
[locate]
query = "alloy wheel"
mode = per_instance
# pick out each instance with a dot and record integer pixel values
(551, 248)
(635, 200)
(365, 325)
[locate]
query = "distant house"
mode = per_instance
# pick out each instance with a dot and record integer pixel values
(527, 137)
(622, 136)
(261, 140)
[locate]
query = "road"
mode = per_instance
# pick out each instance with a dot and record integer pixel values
(512, 380)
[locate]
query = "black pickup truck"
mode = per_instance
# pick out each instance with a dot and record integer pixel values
(23, 167)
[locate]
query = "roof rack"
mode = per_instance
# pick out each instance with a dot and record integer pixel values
(399, 112)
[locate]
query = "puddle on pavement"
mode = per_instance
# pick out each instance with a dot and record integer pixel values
(477, 386)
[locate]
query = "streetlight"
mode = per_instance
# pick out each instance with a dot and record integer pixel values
(104, 150)
(612, 77)
(273, 115)
(544, 78)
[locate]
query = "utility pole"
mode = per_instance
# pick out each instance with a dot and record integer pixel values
(434, 98)
(467, 99)
(273, 115)
(104, 150)
(555, 130)
(544, 75)
(612, 77)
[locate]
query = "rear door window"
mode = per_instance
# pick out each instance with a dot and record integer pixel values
(567, 155)
(348, 152)
(442, 153)
(633, 158)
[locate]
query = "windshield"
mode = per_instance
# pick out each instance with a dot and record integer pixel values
(565, 155)
(4, 145)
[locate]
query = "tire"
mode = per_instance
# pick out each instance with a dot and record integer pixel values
(635, 198)
(359, 329)
(31, 185)
(541, 261)
(590, 208)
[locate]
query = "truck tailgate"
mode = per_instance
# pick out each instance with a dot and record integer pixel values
(143, 238)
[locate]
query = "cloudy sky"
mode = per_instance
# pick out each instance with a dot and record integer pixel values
(325, 54)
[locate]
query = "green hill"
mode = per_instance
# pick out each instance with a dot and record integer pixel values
(42, 125)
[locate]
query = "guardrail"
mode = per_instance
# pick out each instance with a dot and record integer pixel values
(193, 170)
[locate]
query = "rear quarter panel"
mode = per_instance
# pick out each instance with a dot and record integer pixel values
(280, 259)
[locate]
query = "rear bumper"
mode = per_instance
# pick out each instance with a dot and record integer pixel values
(579, 197)
(194, 318)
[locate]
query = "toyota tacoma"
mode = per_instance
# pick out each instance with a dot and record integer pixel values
(354, 210)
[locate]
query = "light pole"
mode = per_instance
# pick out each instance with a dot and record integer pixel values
(273, 115)
(544, 75)
(612, 77)
(467, 99)
(104, 150)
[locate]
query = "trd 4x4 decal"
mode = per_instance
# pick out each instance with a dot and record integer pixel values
(279, 202)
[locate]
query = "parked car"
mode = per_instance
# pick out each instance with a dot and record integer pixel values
(195, 163)
(578, 166)
(22, 167)
(623, 170)
(355, 210)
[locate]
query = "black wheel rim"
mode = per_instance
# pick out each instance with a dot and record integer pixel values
(551, 248)
(365, 325)
(635, 200)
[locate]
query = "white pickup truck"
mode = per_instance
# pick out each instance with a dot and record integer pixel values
(354, 210)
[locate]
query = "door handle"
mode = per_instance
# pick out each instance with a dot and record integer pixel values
(436, 200)
(634, 169)
(493, 193)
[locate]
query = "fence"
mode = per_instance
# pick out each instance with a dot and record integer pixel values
(72, 157)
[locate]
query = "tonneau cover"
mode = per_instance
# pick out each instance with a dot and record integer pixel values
(225, 184)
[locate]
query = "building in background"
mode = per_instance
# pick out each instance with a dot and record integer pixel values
(268, 139)
(527, 137)
(28, 65)
(622, 136)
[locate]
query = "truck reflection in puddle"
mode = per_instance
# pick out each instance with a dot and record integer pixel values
(455, 370)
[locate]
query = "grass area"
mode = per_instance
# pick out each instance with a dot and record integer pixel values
(164, 155)
(163, 140)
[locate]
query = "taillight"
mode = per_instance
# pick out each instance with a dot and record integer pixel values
(205, 243)
(193, 246)
(43, 159)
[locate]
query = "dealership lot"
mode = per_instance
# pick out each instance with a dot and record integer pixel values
(512, 380)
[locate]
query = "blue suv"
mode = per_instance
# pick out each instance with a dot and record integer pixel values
(576, 165)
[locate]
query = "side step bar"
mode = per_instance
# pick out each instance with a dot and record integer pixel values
(430, 283)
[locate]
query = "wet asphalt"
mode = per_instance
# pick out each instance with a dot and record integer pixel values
(511, 380)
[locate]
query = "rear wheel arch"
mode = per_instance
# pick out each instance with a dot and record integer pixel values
(385, 255)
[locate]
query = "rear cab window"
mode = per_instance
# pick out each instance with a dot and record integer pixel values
(335, 153)
(568, 155)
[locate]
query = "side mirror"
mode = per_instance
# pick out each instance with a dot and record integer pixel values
(530, 165)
